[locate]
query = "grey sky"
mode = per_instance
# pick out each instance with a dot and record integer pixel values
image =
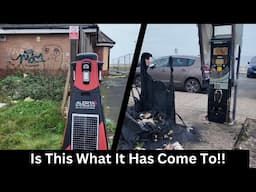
(249, 40)
(162, 39)
(125, 36)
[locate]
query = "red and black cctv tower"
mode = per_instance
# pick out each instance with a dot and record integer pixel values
(85, 128)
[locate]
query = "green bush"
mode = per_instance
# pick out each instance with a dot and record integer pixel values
(34, 85)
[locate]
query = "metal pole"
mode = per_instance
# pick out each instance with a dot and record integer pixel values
(118, 61)
(232, 63)
(235, 88)
(82, 40)
(73, 49)
(201, 44)
(73, 53)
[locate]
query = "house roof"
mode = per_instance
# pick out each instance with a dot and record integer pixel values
(103, 40)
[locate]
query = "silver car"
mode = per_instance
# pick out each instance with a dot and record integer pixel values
(187, 72)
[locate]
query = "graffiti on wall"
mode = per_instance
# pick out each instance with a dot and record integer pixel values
(53, 54)
(48, 57)
(29, 57)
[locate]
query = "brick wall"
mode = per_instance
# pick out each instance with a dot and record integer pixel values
(42, 52)
(103, 54)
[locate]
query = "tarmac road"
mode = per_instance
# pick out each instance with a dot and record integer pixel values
(246, 97)
(246, 87)
(112, 92)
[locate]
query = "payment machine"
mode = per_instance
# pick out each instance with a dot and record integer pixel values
(221, 74)
(220, 48)
(220, 81)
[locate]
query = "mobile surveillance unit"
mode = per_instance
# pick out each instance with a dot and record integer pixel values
(85, 125)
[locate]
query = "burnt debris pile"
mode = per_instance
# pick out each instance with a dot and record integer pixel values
(151, 122)
(155, 128)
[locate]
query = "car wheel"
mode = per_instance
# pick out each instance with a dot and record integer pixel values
(137, 81)
(192, 86)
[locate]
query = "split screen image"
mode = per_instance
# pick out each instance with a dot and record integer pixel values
(127, 87)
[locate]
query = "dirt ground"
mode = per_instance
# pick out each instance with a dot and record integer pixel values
(193, 109)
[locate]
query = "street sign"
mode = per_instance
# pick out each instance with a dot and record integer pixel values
(73, 32)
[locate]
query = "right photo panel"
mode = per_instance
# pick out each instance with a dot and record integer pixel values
(193, 88)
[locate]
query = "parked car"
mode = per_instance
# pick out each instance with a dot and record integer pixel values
(187, 72)
(251, 70)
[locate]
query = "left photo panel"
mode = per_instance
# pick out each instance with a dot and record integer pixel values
(62, 85)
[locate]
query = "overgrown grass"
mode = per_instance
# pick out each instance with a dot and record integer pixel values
(34, 124)
(34, 85)
(111, 127)
(31, 125)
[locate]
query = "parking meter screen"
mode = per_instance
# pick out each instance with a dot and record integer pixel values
(220, 51)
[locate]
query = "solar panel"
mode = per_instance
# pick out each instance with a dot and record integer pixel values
(84, 134)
